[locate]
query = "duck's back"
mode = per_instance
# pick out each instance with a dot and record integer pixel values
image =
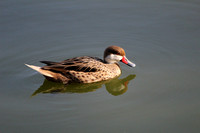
(81, 69)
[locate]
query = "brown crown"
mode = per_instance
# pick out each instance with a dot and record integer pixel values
(114, 50)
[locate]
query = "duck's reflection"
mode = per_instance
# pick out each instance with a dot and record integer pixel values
(115, 86)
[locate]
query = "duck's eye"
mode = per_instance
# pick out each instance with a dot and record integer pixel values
(114, 52)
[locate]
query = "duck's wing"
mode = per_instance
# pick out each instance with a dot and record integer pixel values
(79, 64)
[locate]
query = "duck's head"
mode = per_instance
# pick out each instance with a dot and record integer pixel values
(114, 54)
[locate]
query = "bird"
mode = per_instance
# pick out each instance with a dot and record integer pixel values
(85, 69)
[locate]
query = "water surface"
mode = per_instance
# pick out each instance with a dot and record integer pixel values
(161, 37)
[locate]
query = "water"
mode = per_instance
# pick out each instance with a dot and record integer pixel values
(161, 37)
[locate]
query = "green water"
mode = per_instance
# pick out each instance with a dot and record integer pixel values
(160, 95)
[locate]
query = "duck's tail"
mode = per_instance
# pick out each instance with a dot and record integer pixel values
(42, 71)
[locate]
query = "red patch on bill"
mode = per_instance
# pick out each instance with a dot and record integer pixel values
(124, 60)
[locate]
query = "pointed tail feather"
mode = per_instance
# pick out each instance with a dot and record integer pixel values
(49, 62)
(43, 72)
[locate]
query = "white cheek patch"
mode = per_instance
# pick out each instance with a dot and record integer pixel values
(117, 57)
(112, 58)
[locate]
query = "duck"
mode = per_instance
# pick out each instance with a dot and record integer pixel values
(85, 69)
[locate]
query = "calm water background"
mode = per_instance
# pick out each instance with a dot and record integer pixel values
(161, 36)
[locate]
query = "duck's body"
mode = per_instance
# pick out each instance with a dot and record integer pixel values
(85, 69)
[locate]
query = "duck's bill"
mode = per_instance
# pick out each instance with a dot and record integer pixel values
(127, 62)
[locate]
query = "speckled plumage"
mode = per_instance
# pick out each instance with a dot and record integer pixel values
(85, 69)
(82, 69)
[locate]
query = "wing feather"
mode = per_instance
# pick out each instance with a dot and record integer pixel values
(79, 64)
